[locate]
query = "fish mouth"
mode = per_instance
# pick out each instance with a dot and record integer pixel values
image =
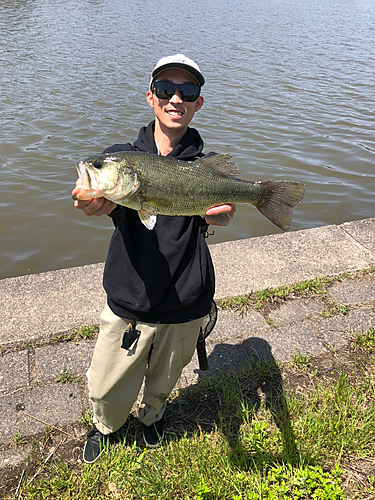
(88, 178)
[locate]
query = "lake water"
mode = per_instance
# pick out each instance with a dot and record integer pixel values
(290, 94)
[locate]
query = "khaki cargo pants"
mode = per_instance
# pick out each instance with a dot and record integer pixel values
(115, 376)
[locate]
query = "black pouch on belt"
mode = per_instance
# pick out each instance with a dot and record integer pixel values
(130, 337)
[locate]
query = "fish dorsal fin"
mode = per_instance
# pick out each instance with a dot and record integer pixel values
(219, 161)
(147, 219)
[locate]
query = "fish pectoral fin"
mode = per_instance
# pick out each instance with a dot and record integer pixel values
(219, 161)
(147, 219)
(219, 219)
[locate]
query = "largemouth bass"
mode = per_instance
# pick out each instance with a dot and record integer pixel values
(153, 184)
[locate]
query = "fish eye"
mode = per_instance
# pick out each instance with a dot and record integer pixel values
(98, 164)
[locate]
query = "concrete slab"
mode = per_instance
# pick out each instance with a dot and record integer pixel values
(51, 360)
(332, 331)
(286, 342)
(14, 371)
(57, 405)
(14, 456)
(362, 231)
(360, 320)
(221, 357)
(232, 324)
(229, 355)
(297, 310)
(352, 292)
(55, 302)
(259, 350)
(336, 331)
(270, 261)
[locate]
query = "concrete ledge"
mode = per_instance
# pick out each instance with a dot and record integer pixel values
(270, 261)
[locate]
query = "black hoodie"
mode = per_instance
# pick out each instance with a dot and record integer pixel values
(164, 275)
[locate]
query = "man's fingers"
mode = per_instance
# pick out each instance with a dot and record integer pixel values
(229, 209)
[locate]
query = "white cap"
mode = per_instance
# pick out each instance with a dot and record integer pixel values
(178, 61)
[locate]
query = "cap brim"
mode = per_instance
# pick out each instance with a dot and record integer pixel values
(197, 75)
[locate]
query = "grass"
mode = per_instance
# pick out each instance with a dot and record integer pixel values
(18, 440)
(300, 361)
(64, 377)
(86, 332)
(366, 340)
(86, 419)
(260, 298)
(264, 444)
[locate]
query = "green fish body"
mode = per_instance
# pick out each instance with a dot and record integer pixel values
(153, 184)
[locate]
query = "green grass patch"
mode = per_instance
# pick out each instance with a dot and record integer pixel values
(18, 440)
(64, 377)
(86, 332)
(260, 298)
(300, 361)
(366, 340)
(265, 444)
(317, 286)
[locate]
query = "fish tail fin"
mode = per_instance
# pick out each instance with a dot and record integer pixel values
(279, 200)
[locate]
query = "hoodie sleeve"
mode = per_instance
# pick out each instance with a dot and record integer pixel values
(119, 147)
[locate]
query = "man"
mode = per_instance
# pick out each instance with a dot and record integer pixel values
(159, 283)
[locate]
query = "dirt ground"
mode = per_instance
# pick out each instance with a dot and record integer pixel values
(189, 412)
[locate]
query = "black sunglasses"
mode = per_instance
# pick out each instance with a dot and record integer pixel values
(165, 89)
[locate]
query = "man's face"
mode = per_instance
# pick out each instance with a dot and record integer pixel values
(174, 114)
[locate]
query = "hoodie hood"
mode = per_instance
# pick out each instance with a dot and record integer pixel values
(189, 148)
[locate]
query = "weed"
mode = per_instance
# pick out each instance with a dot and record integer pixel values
(300, 361)
(18, 440)
(64, 376)
(341, 309)
(371, 484)
(203, 491)
(282, 483)
(86, 419)
(366, 340)
(86, 332)
(272, 322)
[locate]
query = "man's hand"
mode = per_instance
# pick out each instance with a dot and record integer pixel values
(227, 212)
(95, 206)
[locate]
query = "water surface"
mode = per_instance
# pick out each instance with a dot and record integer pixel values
(289, 93)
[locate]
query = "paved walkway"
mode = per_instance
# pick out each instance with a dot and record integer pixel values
(36, 308)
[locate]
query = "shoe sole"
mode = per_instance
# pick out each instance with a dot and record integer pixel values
(148, 445)
(116, 440)
(95, 459)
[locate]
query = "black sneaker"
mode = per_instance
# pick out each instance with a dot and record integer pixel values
(153, 435)
(96, 443)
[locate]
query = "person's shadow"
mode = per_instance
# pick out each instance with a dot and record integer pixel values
(256, 383)
(241, 380)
